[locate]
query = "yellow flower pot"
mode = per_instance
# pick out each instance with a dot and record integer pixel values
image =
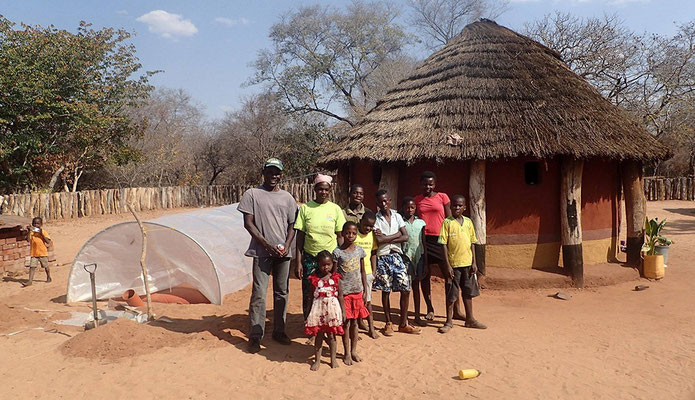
(654, 266)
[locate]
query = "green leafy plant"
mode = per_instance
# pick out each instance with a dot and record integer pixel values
(652, 231)
(664, 241)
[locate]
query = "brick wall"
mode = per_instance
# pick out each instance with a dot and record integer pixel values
(15, 252)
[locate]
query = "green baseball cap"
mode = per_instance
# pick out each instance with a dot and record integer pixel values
(273, 162)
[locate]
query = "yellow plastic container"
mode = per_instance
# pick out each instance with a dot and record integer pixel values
(654, 266)
(468, 373)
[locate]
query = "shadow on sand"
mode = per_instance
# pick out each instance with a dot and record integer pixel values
(60, 299)
(683, 226)
(222, 326)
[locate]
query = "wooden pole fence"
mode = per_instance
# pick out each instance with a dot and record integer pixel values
(87, 203)
(657, 188)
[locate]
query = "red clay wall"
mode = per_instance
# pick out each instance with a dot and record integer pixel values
(523, 221)
(600, 198)
(518, 212)
(600, 210)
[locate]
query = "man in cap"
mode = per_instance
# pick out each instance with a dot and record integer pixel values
(269, 214)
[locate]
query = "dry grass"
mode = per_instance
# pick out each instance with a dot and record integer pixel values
(492, 93)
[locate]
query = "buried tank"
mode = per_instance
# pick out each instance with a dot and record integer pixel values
(195, 256)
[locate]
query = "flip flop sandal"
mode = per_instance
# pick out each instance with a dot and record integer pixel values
(475, 325)
(388, 330)
(562, 296)
(445, 328)
(409, 329)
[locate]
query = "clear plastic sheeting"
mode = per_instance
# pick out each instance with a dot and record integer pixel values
(204, 249)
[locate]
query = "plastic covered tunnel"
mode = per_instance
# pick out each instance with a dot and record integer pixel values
(203, 249)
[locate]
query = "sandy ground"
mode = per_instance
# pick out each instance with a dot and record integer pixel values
(606, 342)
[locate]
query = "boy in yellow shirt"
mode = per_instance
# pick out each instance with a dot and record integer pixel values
(39, 240)
(457, 236)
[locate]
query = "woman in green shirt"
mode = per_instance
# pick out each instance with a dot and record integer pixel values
(317, 225)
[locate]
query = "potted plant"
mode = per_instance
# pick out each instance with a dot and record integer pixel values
(661, 247)
(653, 265)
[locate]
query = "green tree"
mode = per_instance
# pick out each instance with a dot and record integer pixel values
(64, 99)
(321, 59)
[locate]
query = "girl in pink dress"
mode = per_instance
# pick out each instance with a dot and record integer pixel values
(327, 313)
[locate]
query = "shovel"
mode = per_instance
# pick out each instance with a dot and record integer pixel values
(91, 269)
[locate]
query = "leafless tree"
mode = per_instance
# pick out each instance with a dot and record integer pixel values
(166, 152)
(439, 21)
(652, 76)
(601, 50)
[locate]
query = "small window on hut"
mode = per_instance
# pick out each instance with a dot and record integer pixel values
(532, 173)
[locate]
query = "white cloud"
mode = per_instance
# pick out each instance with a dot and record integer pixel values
(167, 25)
(232, 21)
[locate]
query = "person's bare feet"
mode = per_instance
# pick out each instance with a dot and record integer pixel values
(373, 334)
(362, 325)
(334, 364)
(347, 359)
(429, 316)
(356, 357)
(310, 341)
(315, 366)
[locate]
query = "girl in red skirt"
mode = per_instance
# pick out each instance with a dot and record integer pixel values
(327, 310)
(349, 261)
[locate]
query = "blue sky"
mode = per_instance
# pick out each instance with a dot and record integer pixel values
(206, 46)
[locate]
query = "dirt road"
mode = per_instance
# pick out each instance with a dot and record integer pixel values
(606, 342)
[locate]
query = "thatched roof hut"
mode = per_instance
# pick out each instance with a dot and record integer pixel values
(541, 154)
(493, 93)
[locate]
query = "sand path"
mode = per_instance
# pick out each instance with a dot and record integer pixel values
(607, 342)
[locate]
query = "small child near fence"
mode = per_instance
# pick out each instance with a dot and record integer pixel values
(39, 240)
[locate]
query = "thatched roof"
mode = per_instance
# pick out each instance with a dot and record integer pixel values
(492, 93)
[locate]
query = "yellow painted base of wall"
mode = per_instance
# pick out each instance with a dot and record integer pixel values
(540, 255)
(596, 251)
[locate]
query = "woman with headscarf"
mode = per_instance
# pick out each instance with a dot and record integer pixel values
(318, 223)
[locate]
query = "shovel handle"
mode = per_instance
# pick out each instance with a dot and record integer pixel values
(92, 266)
